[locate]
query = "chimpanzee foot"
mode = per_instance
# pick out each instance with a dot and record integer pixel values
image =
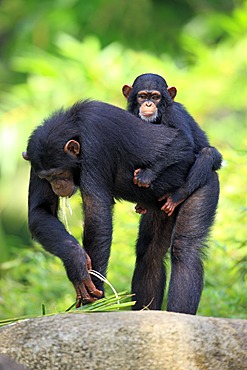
(169, 205)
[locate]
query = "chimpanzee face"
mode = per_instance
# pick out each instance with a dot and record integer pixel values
(149, 97)
(148, 101)
(62, 181)
(63, 178)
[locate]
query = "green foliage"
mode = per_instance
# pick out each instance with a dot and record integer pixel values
(212, 84)
(152, 25)
(109, 304)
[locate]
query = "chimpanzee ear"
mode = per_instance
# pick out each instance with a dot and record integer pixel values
(172, 91)
(72, 147)
(25, 156)
(126, 90)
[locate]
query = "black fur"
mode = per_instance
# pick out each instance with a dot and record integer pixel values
(173, 114)
(113, 144)
(187, 229)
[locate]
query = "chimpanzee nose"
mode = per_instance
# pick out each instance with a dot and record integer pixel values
(148, 103)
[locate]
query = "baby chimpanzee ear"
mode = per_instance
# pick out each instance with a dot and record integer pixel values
(126, 90)
(172, 91)
(72, 147)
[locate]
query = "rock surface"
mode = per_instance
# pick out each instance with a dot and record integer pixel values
(127, 341)
(8, 364)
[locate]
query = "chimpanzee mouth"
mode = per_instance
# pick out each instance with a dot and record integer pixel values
(149, 118)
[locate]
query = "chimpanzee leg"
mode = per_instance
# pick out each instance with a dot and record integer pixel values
(194, 219)
(97, 235)
(149, 277)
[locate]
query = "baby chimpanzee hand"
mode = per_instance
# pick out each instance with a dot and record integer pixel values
(143, 177)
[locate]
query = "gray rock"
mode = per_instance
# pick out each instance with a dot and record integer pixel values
(127, 340)
(8, 364)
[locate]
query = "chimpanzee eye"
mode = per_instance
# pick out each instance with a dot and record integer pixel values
(155, 97)
(142, 96)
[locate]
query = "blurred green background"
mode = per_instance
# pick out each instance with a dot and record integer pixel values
(54, 53)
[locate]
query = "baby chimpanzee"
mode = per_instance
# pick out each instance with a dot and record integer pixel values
(152, 100)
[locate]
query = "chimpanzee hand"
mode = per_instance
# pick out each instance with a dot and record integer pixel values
(143, 177)
(169, 205)
(77, 267)
(140, 209)
(86, 292)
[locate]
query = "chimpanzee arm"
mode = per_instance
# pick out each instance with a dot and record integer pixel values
(97, 236)
(174, 147)
(52, 235)
(208, 160)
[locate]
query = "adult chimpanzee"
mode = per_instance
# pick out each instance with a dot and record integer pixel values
(152, 100)
(97, 147)
(186, 229)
